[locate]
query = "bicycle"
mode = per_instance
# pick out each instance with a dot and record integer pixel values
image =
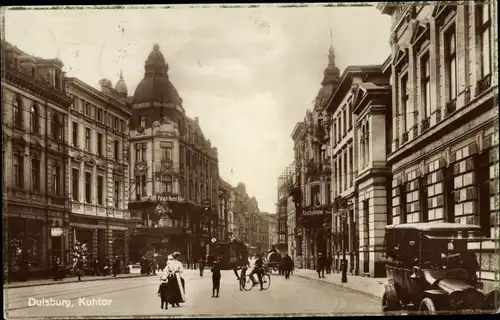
(247, 282)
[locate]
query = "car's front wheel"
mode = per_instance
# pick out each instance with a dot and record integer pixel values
(390, 301)
(427, 307)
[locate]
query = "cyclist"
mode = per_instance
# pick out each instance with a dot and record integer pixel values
(243, 267)
(259, 270)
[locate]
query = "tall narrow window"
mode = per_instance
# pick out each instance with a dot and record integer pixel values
(117, 150)
(138, 152)
(100, 190)
(35, 175)
(87, 109)
(166, 153)
(75, 184)
(143, 122)
(344, 124)
(426, 85)
(99, 115)
(100, 144)
(144, 184)
(405, 108)
(349, 114)
(35, 119)
(138, 188)
(56, 126)
(74, 129)
(167, 185)
(345, 170)
(484, 31)
(17, 112)
(87, 139)
(367, 143)
(341, 174)
(351, 167)
(88, 187)
(117, 194)
(56, 180)
(451, 62)
(18, 171)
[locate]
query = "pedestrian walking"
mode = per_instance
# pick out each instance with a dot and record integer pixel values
(175, 285)
(216, 275)
(180, 271)
(287, 265)
(320, 265)
(164, 292)
(201, 266)
(116, 266)
(78, 267)
(57, 269)
(329, 261)
(95, 267)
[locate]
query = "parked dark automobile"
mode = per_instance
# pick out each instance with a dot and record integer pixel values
(430, 268)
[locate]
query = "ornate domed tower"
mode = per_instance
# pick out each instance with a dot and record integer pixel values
(156, 97)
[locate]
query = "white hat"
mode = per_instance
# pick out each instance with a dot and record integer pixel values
(170, 257)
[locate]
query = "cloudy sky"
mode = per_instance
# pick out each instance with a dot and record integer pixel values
(249, 74)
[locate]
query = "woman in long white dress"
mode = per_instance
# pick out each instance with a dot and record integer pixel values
(174, 272)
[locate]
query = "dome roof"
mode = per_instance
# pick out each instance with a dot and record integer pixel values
(120, 86)
(156, 86)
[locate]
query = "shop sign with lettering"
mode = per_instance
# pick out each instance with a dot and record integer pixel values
(313, 212)
(167, 198)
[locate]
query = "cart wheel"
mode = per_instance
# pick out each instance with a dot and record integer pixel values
(390, 301)
(427, 307)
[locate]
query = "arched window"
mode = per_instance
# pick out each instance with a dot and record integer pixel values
(143, 122)
(35, 118)
(17, 112)
(56, 126)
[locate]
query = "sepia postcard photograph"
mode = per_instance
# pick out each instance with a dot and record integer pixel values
(250, 160)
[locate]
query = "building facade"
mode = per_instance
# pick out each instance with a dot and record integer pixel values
(360, 173)
(273, 230)
(312, 192)
(174, 171)
(34, 135)
(444, 134)
(263, 231)
(285, 184)
(99, 168)
(225, 212)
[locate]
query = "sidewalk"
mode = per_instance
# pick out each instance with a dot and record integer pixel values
(71, 279)
(189, 274)
(371, 286)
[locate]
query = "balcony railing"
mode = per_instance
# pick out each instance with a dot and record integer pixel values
(483, 84)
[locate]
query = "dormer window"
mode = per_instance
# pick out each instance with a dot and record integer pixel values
(143, 122)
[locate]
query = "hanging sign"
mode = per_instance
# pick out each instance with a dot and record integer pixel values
(56, 231)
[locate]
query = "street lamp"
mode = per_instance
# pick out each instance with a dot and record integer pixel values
(343, 266)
